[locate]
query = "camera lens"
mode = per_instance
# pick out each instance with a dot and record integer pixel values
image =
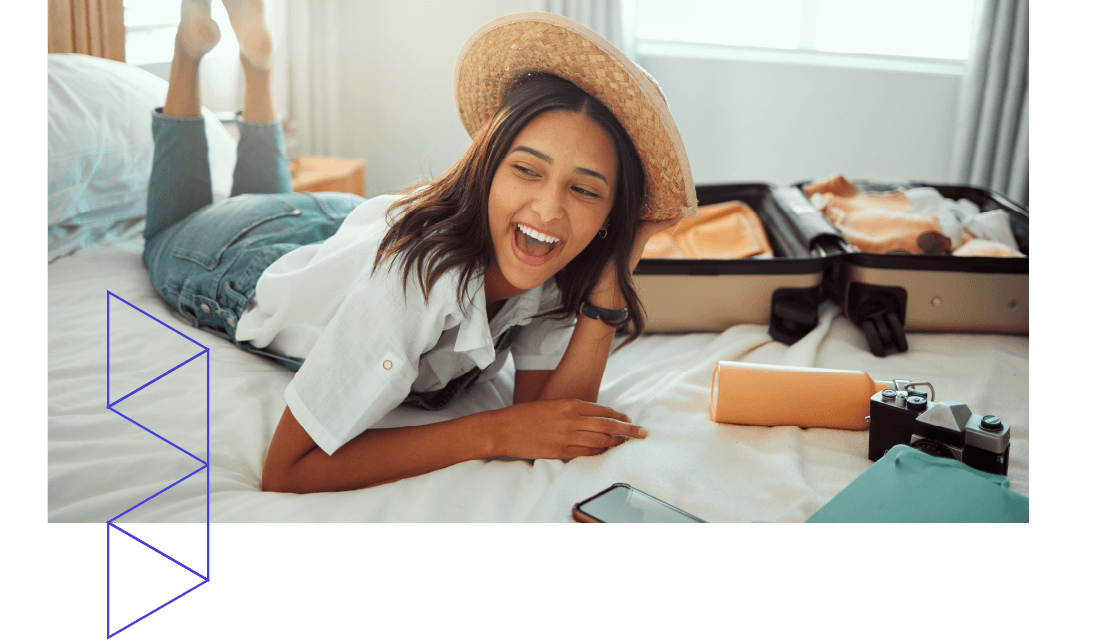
(991, 423)
(916, 403)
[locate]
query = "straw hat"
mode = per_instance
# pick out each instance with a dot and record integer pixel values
(545, 42)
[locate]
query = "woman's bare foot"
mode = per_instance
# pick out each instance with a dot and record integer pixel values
(247, 19)
(197, 33)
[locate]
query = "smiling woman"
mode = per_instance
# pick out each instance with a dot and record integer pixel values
(556, 153)
(411, 299)
(556, 160)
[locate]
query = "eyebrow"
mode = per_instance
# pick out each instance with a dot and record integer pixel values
(547, 159)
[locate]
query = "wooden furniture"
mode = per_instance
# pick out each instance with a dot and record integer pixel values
(314, 173)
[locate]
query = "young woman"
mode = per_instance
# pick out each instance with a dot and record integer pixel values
(524, 246)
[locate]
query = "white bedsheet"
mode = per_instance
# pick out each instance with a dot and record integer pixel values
(100, 464)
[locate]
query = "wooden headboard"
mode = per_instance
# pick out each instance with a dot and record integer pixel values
(92, 27)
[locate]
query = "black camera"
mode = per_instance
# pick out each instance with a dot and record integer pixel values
(945, 428)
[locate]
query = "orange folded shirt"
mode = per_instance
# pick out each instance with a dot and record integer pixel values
(721, 231)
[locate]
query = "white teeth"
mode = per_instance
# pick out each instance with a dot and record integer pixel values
(537, 235)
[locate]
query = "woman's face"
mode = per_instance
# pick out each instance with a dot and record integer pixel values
(549, 197)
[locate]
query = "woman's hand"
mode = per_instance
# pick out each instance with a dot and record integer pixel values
(560, 429)
(607, 289)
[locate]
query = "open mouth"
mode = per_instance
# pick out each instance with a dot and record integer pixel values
(533, 247)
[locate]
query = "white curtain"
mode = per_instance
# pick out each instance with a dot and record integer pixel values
(313, 78)
(991, 143)
(606, 17)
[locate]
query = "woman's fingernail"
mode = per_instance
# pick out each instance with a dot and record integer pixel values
(642, 432)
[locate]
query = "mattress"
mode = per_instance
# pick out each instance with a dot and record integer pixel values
(102, 461)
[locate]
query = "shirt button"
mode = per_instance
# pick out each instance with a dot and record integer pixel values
(206, 308)
(387, 365)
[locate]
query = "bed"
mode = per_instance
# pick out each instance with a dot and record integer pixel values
(109, 333)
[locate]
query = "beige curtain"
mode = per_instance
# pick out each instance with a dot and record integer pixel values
(92, 27)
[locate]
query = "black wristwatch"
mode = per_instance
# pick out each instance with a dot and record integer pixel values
(610, 317)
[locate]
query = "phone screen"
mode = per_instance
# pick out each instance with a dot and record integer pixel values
(622, 503)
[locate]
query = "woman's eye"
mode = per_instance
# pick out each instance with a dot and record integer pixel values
(585, 192)
(525, 170)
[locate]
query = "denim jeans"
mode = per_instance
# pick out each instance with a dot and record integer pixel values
(205, 258)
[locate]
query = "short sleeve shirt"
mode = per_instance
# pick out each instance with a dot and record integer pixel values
(368, 343)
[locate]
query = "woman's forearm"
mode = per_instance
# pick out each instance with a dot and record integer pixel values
(385, 455)
(581, 369)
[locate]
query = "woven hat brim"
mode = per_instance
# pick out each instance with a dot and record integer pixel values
(545, 42)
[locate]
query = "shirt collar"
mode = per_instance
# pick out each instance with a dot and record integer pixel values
(475, 336)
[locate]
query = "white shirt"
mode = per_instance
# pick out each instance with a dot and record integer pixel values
(368, 346)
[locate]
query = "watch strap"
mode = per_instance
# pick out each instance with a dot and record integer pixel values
(610, 317)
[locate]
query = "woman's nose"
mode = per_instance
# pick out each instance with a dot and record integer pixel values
(548, 202)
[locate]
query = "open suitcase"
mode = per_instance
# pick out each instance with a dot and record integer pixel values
(713, 294)
(884, 294)
(888, 294)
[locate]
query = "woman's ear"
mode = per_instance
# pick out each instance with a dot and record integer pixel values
(604, 227)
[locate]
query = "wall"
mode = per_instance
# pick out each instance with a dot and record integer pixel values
(741, 120)
(398, 71)
(745, 121)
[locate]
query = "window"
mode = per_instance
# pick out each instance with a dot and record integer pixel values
(928, 30)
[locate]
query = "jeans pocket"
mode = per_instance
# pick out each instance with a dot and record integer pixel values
(208, 233)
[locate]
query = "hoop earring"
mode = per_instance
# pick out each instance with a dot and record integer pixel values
(603, 233)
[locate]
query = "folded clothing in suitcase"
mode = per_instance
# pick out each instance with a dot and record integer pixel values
(914, 220)
(720, 231)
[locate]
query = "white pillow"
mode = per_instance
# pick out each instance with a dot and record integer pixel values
(101, 144)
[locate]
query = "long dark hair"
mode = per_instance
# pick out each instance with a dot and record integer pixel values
(444, 224)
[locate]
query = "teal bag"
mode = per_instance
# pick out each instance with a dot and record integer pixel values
(908, 486)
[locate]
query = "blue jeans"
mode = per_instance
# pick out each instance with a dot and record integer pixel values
(204, 259)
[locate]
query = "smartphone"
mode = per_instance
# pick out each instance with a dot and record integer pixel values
(622, 503)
